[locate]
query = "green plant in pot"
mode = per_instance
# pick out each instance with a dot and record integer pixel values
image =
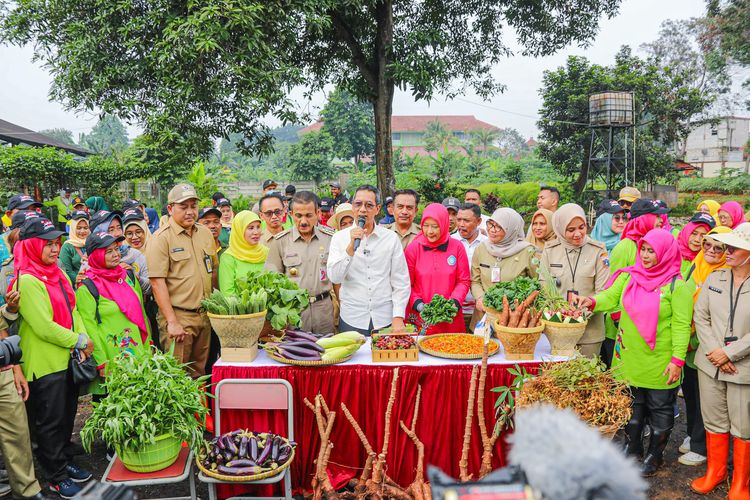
(152, 407)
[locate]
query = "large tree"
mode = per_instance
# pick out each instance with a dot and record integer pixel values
(198, 70)
(350, 123)
(728, 22)
(59, 134)
(312, 157)
(107, 137)
(664, 102)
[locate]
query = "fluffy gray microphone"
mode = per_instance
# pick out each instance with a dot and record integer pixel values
(564, 458)
(361, 221)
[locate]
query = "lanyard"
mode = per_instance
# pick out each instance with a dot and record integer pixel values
(733, 302)
(574, 270)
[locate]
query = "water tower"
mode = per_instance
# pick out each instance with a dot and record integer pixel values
(611, 155)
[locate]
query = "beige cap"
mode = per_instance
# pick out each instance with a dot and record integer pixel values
(182, 192)
(738, 238)
(342, 211)
(629, 193)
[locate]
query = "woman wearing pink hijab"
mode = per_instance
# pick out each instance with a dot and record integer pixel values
(652, 340)
(731, 214)
(438, 265)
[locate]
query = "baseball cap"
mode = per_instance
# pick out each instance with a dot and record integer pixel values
(130, 204)
(335, 184)
(209, 211)
(217, 196)
(131, 215)
(78, 201)
(39, 227)
(452, 203)
(22, 202)
(103, 216)
(269, 183)
(79, 214)
(101, 240)
(290, 190)
(223, 202)
(182, 192)
(326, 204)
(643, 206)
(609, 207)
(388, 200)
(663, 205)
(629, 193)
(703, 218)
(20, 217)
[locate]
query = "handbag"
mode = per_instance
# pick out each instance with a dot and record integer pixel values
(82, 372)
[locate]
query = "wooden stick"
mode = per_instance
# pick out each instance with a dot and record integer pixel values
(391, 400)
(416, 408)
(358, 430)
(463, 464)
(487, 442)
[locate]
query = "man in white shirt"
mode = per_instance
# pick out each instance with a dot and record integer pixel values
(374, 278)
(468, 219)
(474, 196)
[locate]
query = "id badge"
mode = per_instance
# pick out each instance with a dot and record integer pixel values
(495, 274)
(323, 274)
(570, 294)
(209, 265)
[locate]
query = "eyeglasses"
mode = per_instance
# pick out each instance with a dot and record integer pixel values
(271, 213)
(708, 247)
(359, 204)
(619, 218)
(730, 249)
(494, 227)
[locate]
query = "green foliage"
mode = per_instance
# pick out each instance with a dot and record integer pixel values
(519, 289)
(505, 404)
(730, 183)
(59, 134)
(147, 396)
(521, 198)
(286, 300)
(437, 137)
(511, 142)
(727, 23)
(350, 123)
(205, 184)
(107, 137)
(250, 300)
(312, 157)
(438, 310)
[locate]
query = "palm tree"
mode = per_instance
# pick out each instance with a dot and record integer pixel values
(485, 138)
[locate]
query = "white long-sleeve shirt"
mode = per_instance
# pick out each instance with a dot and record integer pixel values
(468, 305)
(374, 282)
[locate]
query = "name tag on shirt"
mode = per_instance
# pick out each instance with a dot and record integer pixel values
(555, 265)
(714, 289)
(178, 249)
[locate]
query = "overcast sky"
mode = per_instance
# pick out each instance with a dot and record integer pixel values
(24, 85)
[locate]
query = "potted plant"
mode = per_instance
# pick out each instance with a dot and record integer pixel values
(152, 406)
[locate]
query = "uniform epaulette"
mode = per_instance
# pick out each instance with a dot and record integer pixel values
(326, 230)
(281, 234)
(598, 244)
(552, 243)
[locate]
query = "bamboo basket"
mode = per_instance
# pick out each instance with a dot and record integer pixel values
(608, 431)
(296, 362)
(493, 314)
(239, 334)
(563, 337)
(246, 479)
(519, 343)
(393, 355)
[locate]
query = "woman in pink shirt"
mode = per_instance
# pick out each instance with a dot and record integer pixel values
(437, 265)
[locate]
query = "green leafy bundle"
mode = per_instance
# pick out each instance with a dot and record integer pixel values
(148, 396)
(438, 310)
(286, 300)
(520, 289)
(246, 302)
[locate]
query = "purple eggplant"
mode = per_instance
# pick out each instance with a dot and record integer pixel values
(243, 447)
(300, 350)
(265, 453)
(275, 449)
(220, 443)
(241, 471)
(242, 463)
(306, 356)
(229, 442)
(284, 456)
(254, 448)
(305, 344)
(300, 335)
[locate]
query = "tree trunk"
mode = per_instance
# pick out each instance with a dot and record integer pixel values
(382, 101)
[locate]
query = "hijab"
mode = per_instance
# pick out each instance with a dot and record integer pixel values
(684, 237)
(96, 203)
(641, 295)
(239, 248)
(701, 268)
(512, 223)
(548, 236)
(636, 228)
(439, 214)
(73, 239)
(146, 233)
(28, 260)
(153, 219)
(104, 226)
(603, 231)
(112, 285)
(735, 211)
(713, 208)
(562, 218)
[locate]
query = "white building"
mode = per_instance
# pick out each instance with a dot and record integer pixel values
(713, 147)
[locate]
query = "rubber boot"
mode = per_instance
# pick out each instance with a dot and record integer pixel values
(655, 456)
(717, 446)
(741, 475)
(633, 433)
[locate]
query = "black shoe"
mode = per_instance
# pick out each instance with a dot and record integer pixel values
(76, 474)
(65, 488)
(655, 456)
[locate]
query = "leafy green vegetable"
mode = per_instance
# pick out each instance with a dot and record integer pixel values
(286, 300)
(233, 305)
(438, 310)
(520, 288)
(147, 396)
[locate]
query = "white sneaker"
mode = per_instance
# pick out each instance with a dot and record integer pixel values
(685, 446)
(692, 458)
(4, 489)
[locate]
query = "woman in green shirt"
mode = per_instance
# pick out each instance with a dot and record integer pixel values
(652, 338)
(245, 253)
(73, 251)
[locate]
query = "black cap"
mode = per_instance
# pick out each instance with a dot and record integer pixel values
(645, 206)
(39, 227)
(223, 202)
(388, 200)
(609, 207)
(101, 240)
(326, 204)
(452, 203)
(703, 218)
(663, 205)
(131, 215)
(268, 183)
(103, 216)
(335, 184)
(79, 214)
(22, 216)
(77, 201)
(217, 196)
(22, 202)
(290, 190)
(209, 211)
(131, 204)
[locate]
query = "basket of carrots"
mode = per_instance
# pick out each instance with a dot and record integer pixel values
(519, 327)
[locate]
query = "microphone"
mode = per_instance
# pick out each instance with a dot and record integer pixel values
(361, 221)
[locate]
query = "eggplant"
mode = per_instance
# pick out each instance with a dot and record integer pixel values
(242, 463)
(220, 443)
(219, 458)
(241, 471)
(305, 344)
(228, 456)
(243, 448)
(254, 448)
(284, 456)
(300, 350)
(230, 445)
(275, 449)
(309, 356)
(293, 444)
(300, 335)
(264, 454)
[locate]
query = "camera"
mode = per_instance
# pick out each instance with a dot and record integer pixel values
(10, 351)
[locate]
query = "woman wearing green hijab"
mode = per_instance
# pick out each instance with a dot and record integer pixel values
(245, 253)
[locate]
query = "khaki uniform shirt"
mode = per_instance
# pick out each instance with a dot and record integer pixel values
(511, 268)
(305, 263)
(266, 237)
(712, 323)
(584, 271)
(407, 238)
(186, 262)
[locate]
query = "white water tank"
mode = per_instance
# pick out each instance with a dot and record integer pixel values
(611, 109)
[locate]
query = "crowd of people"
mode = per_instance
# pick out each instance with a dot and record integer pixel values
(668, 304)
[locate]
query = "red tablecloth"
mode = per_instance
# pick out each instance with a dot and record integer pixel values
(364, 389)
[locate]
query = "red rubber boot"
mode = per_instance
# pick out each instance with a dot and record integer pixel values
(741, 475)
(717, 446)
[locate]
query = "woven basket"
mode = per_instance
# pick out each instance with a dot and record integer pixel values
(152, 457)
(608, 431)
(308, 363)
(240, 331)
(493, 314)
(440, 354)
(245, 479)
(563, 337)
(519, 343)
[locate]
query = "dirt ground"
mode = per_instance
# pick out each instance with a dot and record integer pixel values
(672, 482)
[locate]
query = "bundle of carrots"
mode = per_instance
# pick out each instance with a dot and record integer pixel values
(521, 315)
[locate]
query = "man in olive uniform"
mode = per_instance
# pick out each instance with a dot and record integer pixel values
(302, 254)
(405, 206)
(183, 269)
(272, 213)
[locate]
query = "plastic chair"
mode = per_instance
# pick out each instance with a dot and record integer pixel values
(253, 394)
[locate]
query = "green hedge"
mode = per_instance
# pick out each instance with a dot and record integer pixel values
(737, 184)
